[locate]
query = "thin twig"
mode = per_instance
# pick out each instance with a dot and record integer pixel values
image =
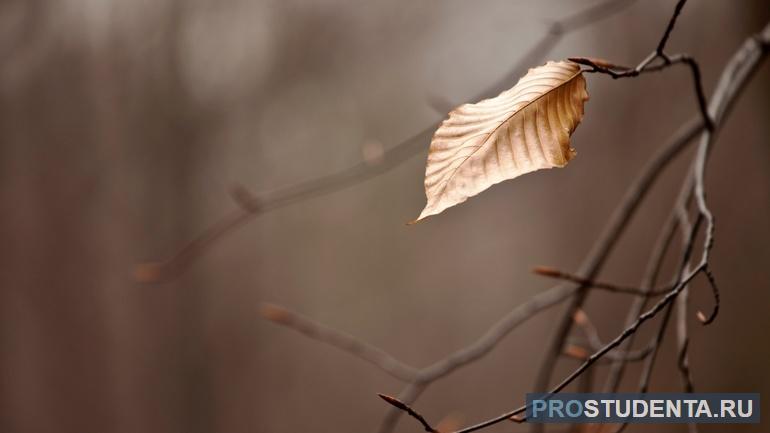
(679, 214)
(644, 380)
(706, 320)
(677, 219)
(408, 395)
(581, 353)
(683, 343)
(665, 61)
(584, 282)
(419, 379)
(340, 340)
(646, 66)
(670, 27)
(650, 361)
(406, 408)
(596, 343)
(153, 272)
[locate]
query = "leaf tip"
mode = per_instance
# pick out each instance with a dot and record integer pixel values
(426, 213)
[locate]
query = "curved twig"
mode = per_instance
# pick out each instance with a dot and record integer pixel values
(593, 284)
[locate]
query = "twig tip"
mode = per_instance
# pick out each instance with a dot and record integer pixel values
(150, 272)
(706, 320)
(245, 199)
(580, 317)
(275, 313)
(393, 401)
(546, 271)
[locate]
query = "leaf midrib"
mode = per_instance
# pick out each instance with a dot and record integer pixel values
(491, 133)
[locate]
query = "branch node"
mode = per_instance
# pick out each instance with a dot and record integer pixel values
(556, 29)
(245, 199)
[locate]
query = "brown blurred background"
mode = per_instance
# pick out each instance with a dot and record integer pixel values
(123, 123)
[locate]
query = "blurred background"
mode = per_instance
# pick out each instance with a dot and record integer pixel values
(123, 124)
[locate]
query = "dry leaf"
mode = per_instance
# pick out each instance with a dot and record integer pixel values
(523, 129)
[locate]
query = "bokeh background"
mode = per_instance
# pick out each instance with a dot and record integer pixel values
(123, 124)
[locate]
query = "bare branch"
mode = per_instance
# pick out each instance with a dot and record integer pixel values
(647, 66)
(670, 27)
(362, 171)
(683, 342)
(644, 382)
(592, 284)
(497, 332)
(581, 353)
(706, 320)
(340, 340)
(419, 379)
(592, 334)
(677, 220)
(678, 214)
(480, 347)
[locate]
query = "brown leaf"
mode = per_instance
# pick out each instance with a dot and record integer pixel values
(523, 129)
